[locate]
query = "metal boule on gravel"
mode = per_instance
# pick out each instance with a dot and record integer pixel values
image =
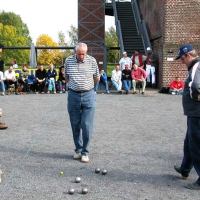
(71, 191)
(104, 172)
(97, 170)
(84, 191)
(77, 180)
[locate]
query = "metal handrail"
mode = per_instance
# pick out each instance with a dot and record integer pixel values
(140, 24)
(118, 28)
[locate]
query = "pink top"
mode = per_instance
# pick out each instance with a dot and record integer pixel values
(138, 74)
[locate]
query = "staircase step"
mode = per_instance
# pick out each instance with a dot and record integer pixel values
(131, 39)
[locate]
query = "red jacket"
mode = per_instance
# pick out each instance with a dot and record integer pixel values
(176, 85)
(138, 74)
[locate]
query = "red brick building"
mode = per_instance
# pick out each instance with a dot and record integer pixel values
(171, 23)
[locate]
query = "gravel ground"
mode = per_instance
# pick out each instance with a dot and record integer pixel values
(137, 139)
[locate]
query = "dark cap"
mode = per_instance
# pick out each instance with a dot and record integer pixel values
(183, 50)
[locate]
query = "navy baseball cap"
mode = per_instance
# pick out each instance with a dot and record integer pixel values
(184, 49)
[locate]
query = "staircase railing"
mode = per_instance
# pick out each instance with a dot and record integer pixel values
(118, 28)
(140, 24)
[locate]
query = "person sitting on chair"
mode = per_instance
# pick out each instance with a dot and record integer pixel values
(51, 75)
(176, 86)
(2, 83)
(116, 79)
(138, 76)
(126, 78)
(103, 80)
(61, 80)
(40, 79)
(23, 78)
(10, 79)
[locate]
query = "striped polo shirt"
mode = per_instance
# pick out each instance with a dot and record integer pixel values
(81, 74)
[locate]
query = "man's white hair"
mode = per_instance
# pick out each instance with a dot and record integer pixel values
(82, 46)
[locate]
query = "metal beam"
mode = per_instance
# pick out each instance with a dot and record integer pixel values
(12, 47)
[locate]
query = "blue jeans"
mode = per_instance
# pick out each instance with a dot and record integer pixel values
(127, 84)
(81, 109)
(192, 147)
(117, 86)
(51, 82)
(105, 83)
(60, 86)
(176, 92)
(2, 86)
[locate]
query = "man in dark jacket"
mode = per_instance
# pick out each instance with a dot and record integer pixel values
(191, 107)
(126, 78)
(40, 79)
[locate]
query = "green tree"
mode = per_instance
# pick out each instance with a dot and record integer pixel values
(12, 19)
(13, 32)
(48, 56)
(62, 42)
(8, 37)
(111, 40)
(73, 36)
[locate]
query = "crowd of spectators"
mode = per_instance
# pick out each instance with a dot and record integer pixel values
(43, 79)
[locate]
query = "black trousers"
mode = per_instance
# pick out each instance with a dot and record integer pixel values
(39, 86)
(24, 83)
(9, 82)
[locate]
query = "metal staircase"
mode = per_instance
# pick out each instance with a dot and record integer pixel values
(131, 39)
(130, 29)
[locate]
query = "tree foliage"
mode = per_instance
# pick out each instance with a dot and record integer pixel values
(48, 56)
(13, 32)
(11, 19)
(73, 36)
(111, 40)
(62, 42)
(8, 37)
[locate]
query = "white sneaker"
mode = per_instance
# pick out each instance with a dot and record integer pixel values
(85, 159)
(77, 156)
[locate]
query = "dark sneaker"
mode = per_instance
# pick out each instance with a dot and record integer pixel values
(178, 169)
(193, 186)
(3, 127)
(143, 93)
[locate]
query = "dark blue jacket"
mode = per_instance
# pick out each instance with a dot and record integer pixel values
(103, 78)
(52, 74)
(191, 105)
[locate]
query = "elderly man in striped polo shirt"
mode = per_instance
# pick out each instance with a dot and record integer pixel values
(81, 72)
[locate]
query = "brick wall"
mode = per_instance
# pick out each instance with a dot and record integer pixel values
(91, 22)
(171, 23)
